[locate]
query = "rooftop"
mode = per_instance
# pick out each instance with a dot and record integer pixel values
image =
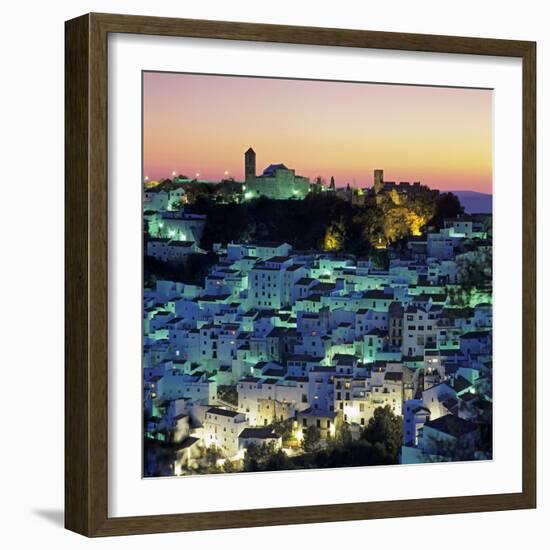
(258, 433)
(452, 425)
(222, 412)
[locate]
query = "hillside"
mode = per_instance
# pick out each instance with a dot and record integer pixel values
(474, 202)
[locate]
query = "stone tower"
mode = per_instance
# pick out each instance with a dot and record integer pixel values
(378, 181)
(249, 164)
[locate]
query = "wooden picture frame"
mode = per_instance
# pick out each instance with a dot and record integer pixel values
(86, 282)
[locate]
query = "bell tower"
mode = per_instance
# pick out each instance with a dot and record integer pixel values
(249, 164)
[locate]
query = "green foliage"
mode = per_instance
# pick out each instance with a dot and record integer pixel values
(335, 236)
(212, 455)
(208, 462)
(395, 223)
(340, 452)
(452, 450)
(228, 467)
(369, 224)
(301, 223)
(343, 435)
(475, 270)
(264, 457)
(447, 206)
(486, 437)
(379, 259)
(278, 460)
(345, 453)
(386, 429)
(158, 457)
(192, 271)
(312, 439)
(228, 394)
(283, 428)
(320, 221)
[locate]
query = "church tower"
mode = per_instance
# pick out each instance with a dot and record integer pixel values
(378, 181)
(249, 164)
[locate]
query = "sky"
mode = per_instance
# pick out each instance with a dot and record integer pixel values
(202, 124)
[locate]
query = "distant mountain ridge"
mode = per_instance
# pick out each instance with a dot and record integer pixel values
(474, 202)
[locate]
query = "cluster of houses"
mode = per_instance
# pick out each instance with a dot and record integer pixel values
(316, 339)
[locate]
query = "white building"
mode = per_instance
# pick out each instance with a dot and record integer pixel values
(419, 330)
(222, 428)
(259, 437)
(155, 199)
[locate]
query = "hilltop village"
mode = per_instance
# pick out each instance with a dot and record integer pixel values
(278, 356)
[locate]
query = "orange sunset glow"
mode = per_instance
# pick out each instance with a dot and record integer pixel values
(200, 126)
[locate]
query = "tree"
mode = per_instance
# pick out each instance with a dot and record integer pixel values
(209, 462)
(447, 206)
(228, 467)
(475, 269)
(278, 460)
(370, 224)
(228, 394)
(283, 428)
(396, 223)
(444, 449)
(345, 453)
(212, 455)
(395, 197)
(251, 462)
(256, 456)
(312, 438)
(343, 436)
(385, 428)
(334, 236)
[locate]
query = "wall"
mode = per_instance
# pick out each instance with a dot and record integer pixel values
(32, 146)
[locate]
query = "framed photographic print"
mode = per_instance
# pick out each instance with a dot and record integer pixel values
(300, 275)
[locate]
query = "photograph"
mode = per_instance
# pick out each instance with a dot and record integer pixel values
(260, 269)
(317, 274)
